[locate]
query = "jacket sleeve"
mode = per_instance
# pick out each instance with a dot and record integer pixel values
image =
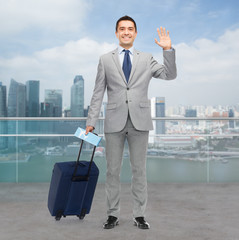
(98, 94)
(168, 70)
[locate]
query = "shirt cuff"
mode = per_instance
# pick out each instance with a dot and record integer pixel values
(169, 50)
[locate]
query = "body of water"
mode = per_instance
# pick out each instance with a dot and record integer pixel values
(38, 168)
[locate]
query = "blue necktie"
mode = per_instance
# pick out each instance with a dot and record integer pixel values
(126, 65)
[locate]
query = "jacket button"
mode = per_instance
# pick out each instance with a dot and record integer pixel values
(127, 88)
(126, 101)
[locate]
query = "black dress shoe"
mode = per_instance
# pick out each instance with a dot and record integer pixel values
(111, 222)
(141, 223)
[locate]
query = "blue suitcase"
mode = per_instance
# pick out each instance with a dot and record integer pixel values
(72, 187)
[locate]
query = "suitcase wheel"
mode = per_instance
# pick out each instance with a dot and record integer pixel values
(58, 218)
(59, 215)
(82, 215)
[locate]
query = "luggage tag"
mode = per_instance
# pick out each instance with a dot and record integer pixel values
(90, 137)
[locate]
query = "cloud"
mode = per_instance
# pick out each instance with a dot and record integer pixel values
(207, 72)
(56, 67)
(209, 61)
(191, 7)
(217, 14)
(52, 15)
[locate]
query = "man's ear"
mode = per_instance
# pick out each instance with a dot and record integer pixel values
(117, 34)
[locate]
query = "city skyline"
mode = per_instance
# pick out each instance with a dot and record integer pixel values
(22, 100)
(71, 35)
(27, 103)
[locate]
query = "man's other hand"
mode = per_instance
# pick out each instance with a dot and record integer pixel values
(88, 129)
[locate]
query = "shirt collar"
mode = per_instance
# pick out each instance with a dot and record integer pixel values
(120, 50)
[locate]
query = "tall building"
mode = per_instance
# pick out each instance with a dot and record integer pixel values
(16, 100)
(158, 110)
(54, 97)
(191, 113)
(77, 97)
(3, 113)
(3, 100)
(231, 122)
(16, 108)
(46, 109)
(32, 87)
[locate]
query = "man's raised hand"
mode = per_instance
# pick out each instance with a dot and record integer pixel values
(164, 39)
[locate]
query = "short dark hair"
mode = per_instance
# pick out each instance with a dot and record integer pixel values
(125, 18)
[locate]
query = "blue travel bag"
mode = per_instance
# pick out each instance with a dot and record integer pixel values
(72, 187)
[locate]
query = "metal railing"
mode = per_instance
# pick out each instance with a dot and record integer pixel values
(208, 136)
(75, 119)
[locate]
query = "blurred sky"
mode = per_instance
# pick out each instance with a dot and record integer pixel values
(54, 40)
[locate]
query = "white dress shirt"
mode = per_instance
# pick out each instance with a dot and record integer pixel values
(122, 53)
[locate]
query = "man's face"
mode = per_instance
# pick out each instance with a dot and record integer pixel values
(126, 33)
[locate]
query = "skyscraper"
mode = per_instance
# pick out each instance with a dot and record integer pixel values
(46, 109)
(32, 87)
(231, 122)
(54, 97)
(158, 107)
(32, 100)
(16, 99)
(16, 108)
(3, 100)
(77, 97)
(3, 113)
(191, 113)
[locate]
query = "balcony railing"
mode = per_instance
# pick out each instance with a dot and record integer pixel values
(180, 149)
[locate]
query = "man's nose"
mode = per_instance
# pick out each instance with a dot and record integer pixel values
(126, 31)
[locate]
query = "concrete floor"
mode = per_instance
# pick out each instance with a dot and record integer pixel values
(175, 212)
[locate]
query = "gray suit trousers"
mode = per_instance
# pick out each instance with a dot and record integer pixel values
(138, 143)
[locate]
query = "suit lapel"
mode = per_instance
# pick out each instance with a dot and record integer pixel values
(134, 64)
(117, 63)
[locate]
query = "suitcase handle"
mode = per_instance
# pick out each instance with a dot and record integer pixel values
(83, 178)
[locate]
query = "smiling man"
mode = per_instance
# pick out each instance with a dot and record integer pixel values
(126, 73)
(126, 32)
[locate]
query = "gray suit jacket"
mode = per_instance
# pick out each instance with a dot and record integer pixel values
(128, 98)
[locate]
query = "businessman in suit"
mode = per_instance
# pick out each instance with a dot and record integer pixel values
(126, 73)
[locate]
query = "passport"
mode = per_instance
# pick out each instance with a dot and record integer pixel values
(90, 137)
